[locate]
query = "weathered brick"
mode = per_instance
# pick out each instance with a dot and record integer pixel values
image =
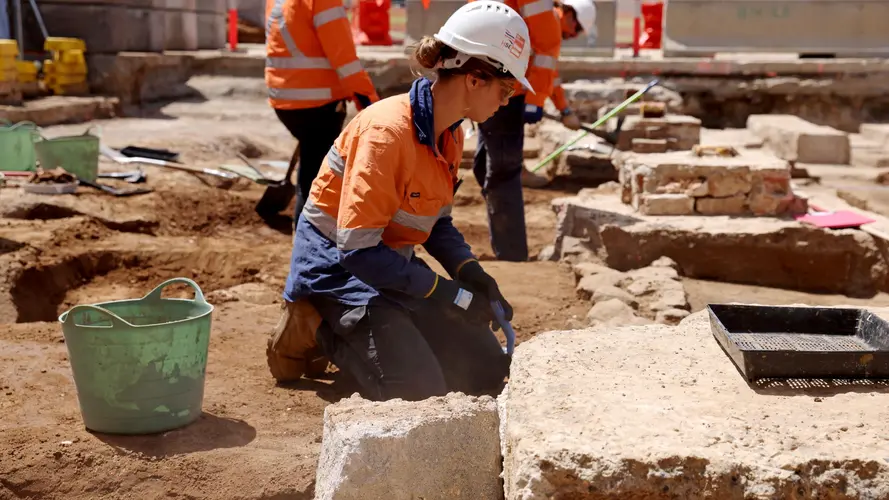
(728, 183)
(644, 146)
(732, 205)
(666, 204)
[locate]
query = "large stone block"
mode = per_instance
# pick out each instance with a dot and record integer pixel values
(647, 412)
(877, 132)
(773, 252)
(795, 139)
(445, 448)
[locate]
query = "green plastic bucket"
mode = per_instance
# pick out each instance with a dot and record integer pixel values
(139, 365)
(78, 154)
(17, 146)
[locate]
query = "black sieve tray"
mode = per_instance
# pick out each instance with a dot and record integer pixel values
(802, 342)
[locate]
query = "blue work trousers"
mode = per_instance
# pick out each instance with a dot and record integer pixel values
(498, 170)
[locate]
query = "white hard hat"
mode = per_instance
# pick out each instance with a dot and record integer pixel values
(492, 32)
(585, 11)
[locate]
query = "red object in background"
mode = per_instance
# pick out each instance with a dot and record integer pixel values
(370, 24)
(636, 35)
(233, 29)
(653, 15)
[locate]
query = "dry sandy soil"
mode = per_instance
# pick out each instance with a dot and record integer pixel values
(255, 439)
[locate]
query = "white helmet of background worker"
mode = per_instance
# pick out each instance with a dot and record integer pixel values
(585, 13)
(492, 32)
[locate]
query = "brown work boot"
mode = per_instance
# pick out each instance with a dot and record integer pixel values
(292, 349)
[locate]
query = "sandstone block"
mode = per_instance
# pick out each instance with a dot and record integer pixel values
(762, 251)
(795, 139)
(728, 183)
(683, 132)
(665, 262)
(877, 132)
(587, 98)
(654, 272)
(575, 248)
(582, 269)
(641, 145)
(698, 188)
(667, 204)
(588, 285)
(671, 316)
(668, 416)
(671, 295)
(866, 158)
(614, 312)
(604, 293)
(732, 205)
(441, 448)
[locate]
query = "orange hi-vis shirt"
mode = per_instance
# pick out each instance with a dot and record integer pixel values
(383, 188)
(545, 31)
(310, 56)
(558, 95)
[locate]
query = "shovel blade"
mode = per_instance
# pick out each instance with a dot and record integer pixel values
(275, 199)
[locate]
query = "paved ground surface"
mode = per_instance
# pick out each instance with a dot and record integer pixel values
(255, 440)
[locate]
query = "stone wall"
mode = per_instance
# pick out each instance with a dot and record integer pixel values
(686, 183)
(669, 133)
(113, 26)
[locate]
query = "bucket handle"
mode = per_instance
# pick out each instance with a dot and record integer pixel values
(116, 321)
(97, 128)
(13, 126)
(156, 293)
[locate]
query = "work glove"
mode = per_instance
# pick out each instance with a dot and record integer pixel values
(570, 120)
(481, 282)
(362, 101)
(474, 307)
(533, 114)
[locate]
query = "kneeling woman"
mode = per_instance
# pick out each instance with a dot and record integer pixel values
(387, 184)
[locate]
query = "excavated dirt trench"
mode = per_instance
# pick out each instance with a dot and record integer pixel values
(254, 439)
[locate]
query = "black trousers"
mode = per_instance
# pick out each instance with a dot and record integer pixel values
(315, 129)
(393, 352)
(498, 170)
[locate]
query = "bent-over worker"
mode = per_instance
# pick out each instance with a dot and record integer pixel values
(498, 159)
(311, 70)
(576, 17)
(387, 184)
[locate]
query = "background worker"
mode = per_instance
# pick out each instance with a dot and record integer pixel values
(311, 69)
(387, 184)
(576, 17)
(498, 159)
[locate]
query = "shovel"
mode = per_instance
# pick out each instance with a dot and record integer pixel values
(113, 191)
(599, 122)
(609, 137)
(134, 177)
(119, 158)
(278, 197)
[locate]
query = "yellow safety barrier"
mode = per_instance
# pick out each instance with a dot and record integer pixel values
(9, 51)
(66, 72)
